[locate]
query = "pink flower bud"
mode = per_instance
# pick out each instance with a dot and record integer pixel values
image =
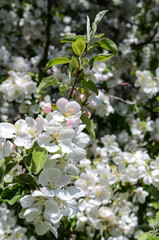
(49, 71)
(47, 108)
(88, 114)
(74, 93)
(82, 97)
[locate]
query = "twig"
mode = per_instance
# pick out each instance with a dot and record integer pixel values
(121, 99)
(77, 75)
(118, 85)
(73, 85)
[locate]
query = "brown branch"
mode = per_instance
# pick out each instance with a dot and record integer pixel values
(120, 99)
(118, 85)
(73, 85)
(47, 32)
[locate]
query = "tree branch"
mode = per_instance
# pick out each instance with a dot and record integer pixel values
(120, 99)
(118, 85)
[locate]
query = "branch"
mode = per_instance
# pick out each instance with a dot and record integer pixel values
(120, 99)
(118, 85)
(73, 85)
(77, 75)
(47, 32)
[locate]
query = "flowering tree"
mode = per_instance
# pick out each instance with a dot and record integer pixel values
(59, 177)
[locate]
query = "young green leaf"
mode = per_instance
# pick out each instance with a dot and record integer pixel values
(62, 89)
(90, 85)
(89, 126)
(25, 179)
(97, 19)
(108, 44)
(46, 82)
(73, 66)
(144, 236)
(88, 29)
(69, 38)
(57, 61)
(39, 157)
(99, 35)
(12, 195)
(102, 57)
(79, 46)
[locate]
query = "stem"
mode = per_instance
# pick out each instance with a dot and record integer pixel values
(73, 85)
(77, 74)
(118, 85)
(47, 32)
(121, 99)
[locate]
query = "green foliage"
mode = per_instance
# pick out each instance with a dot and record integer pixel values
(13, 194)
(46, 82)
(39, 158)
(69, 38)
(57, 61)
(79, 46)
(73, 66)
(89, 126)
(90, 85)
(108, 44)
(97, 19)
(34, 162)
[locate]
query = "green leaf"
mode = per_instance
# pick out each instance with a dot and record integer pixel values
(62, 88)
(90, 85)
(102, 57)
(156, 109)
(144, 236)
(12, 195)
(57, 61)
(99, 35)
(88, 29)
(25, 179)
(69, 38)
(39, 157)
(89, 126)
(96, 44)
(73, 66)
(86, 61)
(79, 46)
(46, 82)
(30, 165)
(97, 19)
(108, 44)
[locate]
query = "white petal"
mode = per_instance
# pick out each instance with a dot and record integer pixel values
(41, 226)
(58, 116)
(7, 130)
(66, 145)
(26, 201)
(31, 214)
(75, 192)
(51, 209)
(73, 107)
(61, 105)
(24, 140)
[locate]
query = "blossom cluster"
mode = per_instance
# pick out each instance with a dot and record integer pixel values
(60, 135)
